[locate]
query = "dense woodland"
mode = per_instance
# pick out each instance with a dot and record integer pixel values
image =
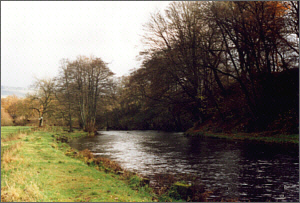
(220, 66)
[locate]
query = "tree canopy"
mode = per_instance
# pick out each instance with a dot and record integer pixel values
(234, 64)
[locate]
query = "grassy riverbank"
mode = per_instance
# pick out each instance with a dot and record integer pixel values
(261, 137)
(34, 167)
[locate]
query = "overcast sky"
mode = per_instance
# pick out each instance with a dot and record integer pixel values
(36, 35)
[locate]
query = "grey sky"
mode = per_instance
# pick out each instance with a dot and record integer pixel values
(36, 35)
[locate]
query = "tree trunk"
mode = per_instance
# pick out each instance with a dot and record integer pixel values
(41, 122)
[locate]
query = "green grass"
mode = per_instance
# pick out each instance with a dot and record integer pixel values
(69, 136)
(280, 138)
(35, 168)
(10, 135)
(8, 130)
(38, 170)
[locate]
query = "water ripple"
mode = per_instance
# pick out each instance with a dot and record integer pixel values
(244, 170)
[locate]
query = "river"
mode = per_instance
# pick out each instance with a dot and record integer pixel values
(247, 171)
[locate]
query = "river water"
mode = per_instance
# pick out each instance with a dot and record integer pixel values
(247, 171)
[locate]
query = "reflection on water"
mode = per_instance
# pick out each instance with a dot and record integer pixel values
(243, 170)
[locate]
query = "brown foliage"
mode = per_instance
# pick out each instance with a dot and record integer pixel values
(13, 193)
(20, 120)
(9, 155)
(108, 164)
(16, 110)
(10, 104)
(12, 136)
(87, 153)
(100, 161)
(6, 119)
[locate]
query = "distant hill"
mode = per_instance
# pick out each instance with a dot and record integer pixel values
(18, 91)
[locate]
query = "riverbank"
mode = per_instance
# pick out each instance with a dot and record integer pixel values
(35, 168)
(267, 137)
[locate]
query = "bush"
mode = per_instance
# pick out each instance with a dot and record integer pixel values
(6, 119)
(180, 191)
(107, 163)
(21, 120)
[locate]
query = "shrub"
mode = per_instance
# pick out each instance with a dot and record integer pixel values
(114, 166)
(21, 120)
(87, 153)
(6, 119)
(180, 191)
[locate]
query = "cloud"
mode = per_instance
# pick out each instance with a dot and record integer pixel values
(36, 35)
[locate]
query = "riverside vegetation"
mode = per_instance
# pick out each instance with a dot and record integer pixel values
(230, 66)
(226, 69)
(35, 168)
(259, 137)
(38, 166)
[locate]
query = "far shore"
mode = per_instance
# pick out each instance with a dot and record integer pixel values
(267, 137)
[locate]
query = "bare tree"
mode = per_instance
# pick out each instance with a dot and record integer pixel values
(43, 97)
(84, 81)
(65, 93)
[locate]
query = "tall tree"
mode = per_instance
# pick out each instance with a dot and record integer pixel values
(254, 37)
(42, 99)
(65, 93)
(178, 36)
(85, 79)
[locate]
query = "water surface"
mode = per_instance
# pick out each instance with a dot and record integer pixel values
(248, 171)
